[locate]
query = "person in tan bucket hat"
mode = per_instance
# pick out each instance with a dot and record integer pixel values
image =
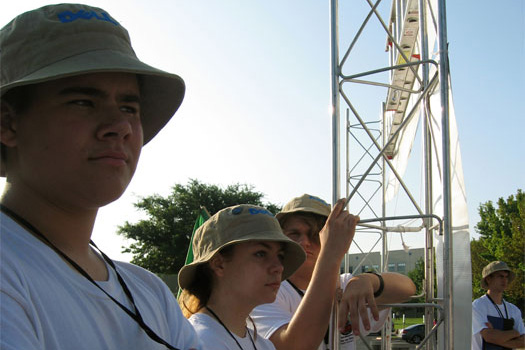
(240, 258)
(77, 105)
(299, 317)
(496, 323)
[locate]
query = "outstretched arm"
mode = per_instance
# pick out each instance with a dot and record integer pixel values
(358, 296)
(310, 322)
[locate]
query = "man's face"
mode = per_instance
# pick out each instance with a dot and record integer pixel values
(79, 141)
(498, 281)
(300, 231)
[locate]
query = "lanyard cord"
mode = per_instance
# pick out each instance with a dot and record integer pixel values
(497, 308)
(230, 333)
(134, 315)
(301, 294)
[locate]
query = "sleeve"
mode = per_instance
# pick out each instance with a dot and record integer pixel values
(269, 318)
(182, 333)
(479, 317)
(518, 321)
(17, 330)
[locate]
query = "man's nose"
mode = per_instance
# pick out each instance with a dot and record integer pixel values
(116, 125)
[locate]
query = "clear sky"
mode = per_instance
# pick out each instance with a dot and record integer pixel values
(256, 109)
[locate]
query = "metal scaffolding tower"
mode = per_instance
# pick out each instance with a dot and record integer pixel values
(388, 94)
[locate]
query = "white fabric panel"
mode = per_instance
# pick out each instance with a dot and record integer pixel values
(462, 273)
(462, 277)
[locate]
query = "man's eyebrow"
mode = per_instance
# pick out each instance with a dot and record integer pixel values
(94, 92)
(83, 90)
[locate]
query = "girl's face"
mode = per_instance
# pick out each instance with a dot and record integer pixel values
(253, 272)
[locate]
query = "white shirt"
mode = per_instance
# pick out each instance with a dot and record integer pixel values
(214, 336)
(270, 317)
(45, 304)
(482, 308)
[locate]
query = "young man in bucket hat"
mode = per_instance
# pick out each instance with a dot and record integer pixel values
(299, 317)
(77, 105)
(496, 324)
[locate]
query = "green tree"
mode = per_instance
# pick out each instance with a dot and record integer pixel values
(417, 276)
(502, 237)
(161, 240)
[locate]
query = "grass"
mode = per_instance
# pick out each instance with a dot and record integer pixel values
(398, 323)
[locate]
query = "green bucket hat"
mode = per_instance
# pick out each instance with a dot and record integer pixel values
(64, 40)
(236, 224)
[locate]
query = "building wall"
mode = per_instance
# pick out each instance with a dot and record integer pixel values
(399, 261)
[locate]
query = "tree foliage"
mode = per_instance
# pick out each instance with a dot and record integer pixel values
(161, 240)
(502, 237)
(417, 275)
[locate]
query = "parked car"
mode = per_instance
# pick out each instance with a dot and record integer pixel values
(377, 334)
(413, 334)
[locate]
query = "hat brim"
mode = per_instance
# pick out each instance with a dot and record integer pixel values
(293, 259)
(161, 92)
(484, 284)
(282, 214)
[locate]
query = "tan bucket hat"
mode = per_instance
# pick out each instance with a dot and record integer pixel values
(59, 41)
(306, 203)
(493, 267)
(236, 224)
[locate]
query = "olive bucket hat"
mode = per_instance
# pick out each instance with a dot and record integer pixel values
(236, 224)
(305, 203)
(65, 40)
(494, 267)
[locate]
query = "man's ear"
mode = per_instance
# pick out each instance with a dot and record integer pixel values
(7, 125)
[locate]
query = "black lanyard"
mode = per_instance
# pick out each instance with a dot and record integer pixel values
(230, 333)
(497, 308)
(301, 294)
(134, 315)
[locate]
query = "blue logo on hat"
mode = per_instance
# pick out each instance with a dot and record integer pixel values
(254, 211)
(68, 16)
(319, 200)
(237, 211)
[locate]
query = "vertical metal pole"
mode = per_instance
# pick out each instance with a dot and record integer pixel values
(447, 212)
(334, 42)
(334, 35)
(386, 341)
(429, 251)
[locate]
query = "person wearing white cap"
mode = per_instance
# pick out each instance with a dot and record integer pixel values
(241, 257)
(299, 317)
(77, 105)
(496, 323)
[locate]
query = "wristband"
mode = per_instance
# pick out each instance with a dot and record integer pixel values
(381, 283)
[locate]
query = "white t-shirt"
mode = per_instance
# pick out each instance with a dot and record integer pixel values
(213, 335)
(270, 317)
(482, 308)
(45, 304)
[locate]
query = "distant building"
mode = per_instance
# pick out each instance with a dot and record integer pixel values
(400, 261)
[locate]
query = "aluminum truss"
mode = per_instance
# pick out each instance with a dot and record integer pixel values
(382, 103)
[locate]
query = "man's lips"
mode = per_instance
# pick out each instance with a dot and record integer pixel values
(110, 157)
